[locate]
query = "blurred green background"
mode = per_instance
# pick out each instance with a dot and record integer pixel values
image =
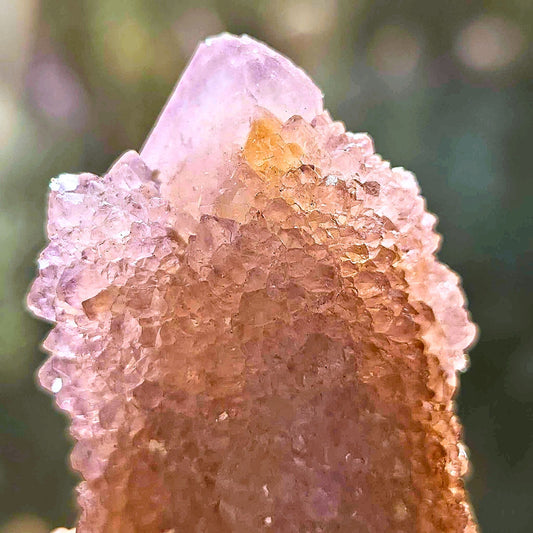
(445, 89)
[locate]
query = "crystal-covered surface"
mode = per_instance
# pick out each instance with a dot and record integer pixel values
(252, 331)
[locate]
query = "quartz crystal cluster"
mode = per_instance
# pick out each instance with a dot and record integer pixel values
(252, 331)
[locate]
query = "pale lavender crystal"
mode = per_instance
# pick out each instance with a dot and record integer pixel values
(207, 118)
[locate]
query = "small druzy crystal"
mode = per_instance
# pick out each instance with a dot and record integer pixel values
(252, 330)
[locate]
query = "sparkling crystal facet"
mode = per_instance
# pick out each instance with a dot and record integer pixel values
(252, 331)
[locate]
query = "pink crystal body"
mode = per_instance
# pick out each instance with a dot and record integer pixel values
(252, 331)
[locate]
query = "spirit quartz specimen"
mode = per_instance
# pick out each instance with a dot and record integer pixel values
(252, 331)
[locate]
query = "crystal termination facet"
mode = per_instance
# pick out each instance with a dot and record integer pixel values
(252, 330)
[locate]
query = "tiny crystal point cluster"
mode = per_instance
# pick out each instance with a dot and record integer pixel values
(252, 331)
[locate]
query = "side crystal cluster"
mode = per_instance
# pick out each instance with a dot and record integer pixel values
(252, 331)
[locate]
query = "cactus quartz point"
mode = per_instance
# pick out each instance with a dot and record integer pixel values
(252, 330)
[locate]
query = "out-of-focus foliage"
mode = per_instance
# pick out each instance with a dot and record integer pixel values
(443, 87)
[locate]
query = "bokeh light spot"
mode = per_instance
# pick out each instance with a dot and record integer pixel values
(489, 43)
(8, 114)
(25, 523)
(394, 51)
(299, 17)
(129, 49)
(58, 93)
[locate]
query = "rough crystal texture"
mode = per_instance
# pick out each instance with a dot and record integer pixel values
(252, 331)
